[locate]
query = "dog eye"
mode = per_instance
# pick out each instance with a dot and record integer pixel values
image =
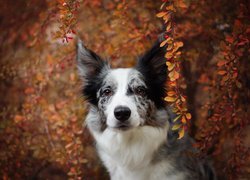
(107, 92)
(140, 91)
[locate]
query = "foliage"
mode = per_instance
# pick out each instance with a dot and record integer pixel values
(41, 109)
(174, 94)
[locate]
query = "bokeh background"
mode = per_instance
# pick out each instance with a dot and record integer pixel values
(42, 130)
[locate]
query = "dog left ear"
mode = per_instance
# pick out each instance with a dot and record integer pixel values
(153, 63)
(153, 67)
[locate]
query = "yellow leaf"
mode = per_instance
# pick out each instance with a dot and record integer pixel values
(176, 126)
(171, 8)
(176, 118)
(169, 40)
(161, 14)
(170, 99)
(170, 66)
(163, 43)
(173, 75)
(169, 55)
(170, 46)
(188, 116)
(181, 133)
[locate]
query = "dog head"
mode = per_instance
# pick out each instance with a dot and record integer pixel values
(124, 98)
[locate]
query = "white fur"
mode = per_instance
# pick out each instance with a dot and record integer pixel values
(128, 154)
(120, 76)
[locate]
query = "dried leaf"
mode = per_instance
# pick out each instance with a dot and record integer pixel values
(169, 55)
(221, 63)
(183, 120)
(170, 99)
(163, 43)
(188, 116)
(181, 133)
(171, 93)
(161, 14)
(176, 126)
(170, 66)
(222, 72)
(176, 118)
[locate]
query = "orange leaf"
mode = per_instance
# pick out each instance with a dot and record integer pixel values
(171, 8)
(29, 90)
(170, 66)
(181, 4)
(173, 75)
(168, 26)
(18, 118)
(222, 72)
(171, 93)
(170, 46)
(183, 99)
(181, 133)
(169, 55)
(161, 14)
(166, 18)
(188, 116)
(178, 44)
(163, 43)
(221, 63)
(183, 120)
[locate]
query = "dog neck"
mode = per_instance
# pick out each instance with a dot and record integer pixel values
(132, 148)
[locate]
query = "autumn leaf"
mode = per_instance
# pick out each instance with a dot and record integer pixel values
(169, 55)
(176, 118)
(188, 116)
(183, 120)
(171, 93)
(181, 133)
(176, 126)
(163, 43)
(221, 63)
(161, 14)
(170, 99)
(170, 66)
(222, 72)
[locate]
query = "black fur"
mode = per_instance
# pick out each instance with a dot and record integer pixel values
(152, 66)
(91, 69)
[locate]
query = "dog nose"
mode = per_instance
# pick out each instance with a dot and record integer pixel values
(122, 113)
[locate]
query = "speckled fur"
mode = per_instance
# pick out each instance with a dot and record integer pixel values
(147, 149)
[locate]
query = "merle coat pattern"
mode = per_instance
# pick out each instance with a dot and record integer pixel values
(131, 123)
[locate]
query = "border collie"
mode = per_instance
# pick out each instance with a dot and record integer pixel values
(131, 123)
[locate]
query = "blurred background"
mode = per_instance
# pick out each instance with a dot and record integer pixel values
(42, 130)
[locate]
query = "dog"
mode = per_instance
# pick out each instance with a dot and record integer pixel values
(131, 123)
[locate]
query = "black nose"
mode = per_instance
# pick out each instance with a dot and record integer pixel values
(122, 113)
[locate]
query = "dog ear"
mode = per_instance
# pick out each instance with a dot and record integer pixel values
(153, 67)
(89, 63)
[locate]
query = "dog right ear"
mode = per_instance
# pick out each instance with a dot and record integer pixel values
(89, 63)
